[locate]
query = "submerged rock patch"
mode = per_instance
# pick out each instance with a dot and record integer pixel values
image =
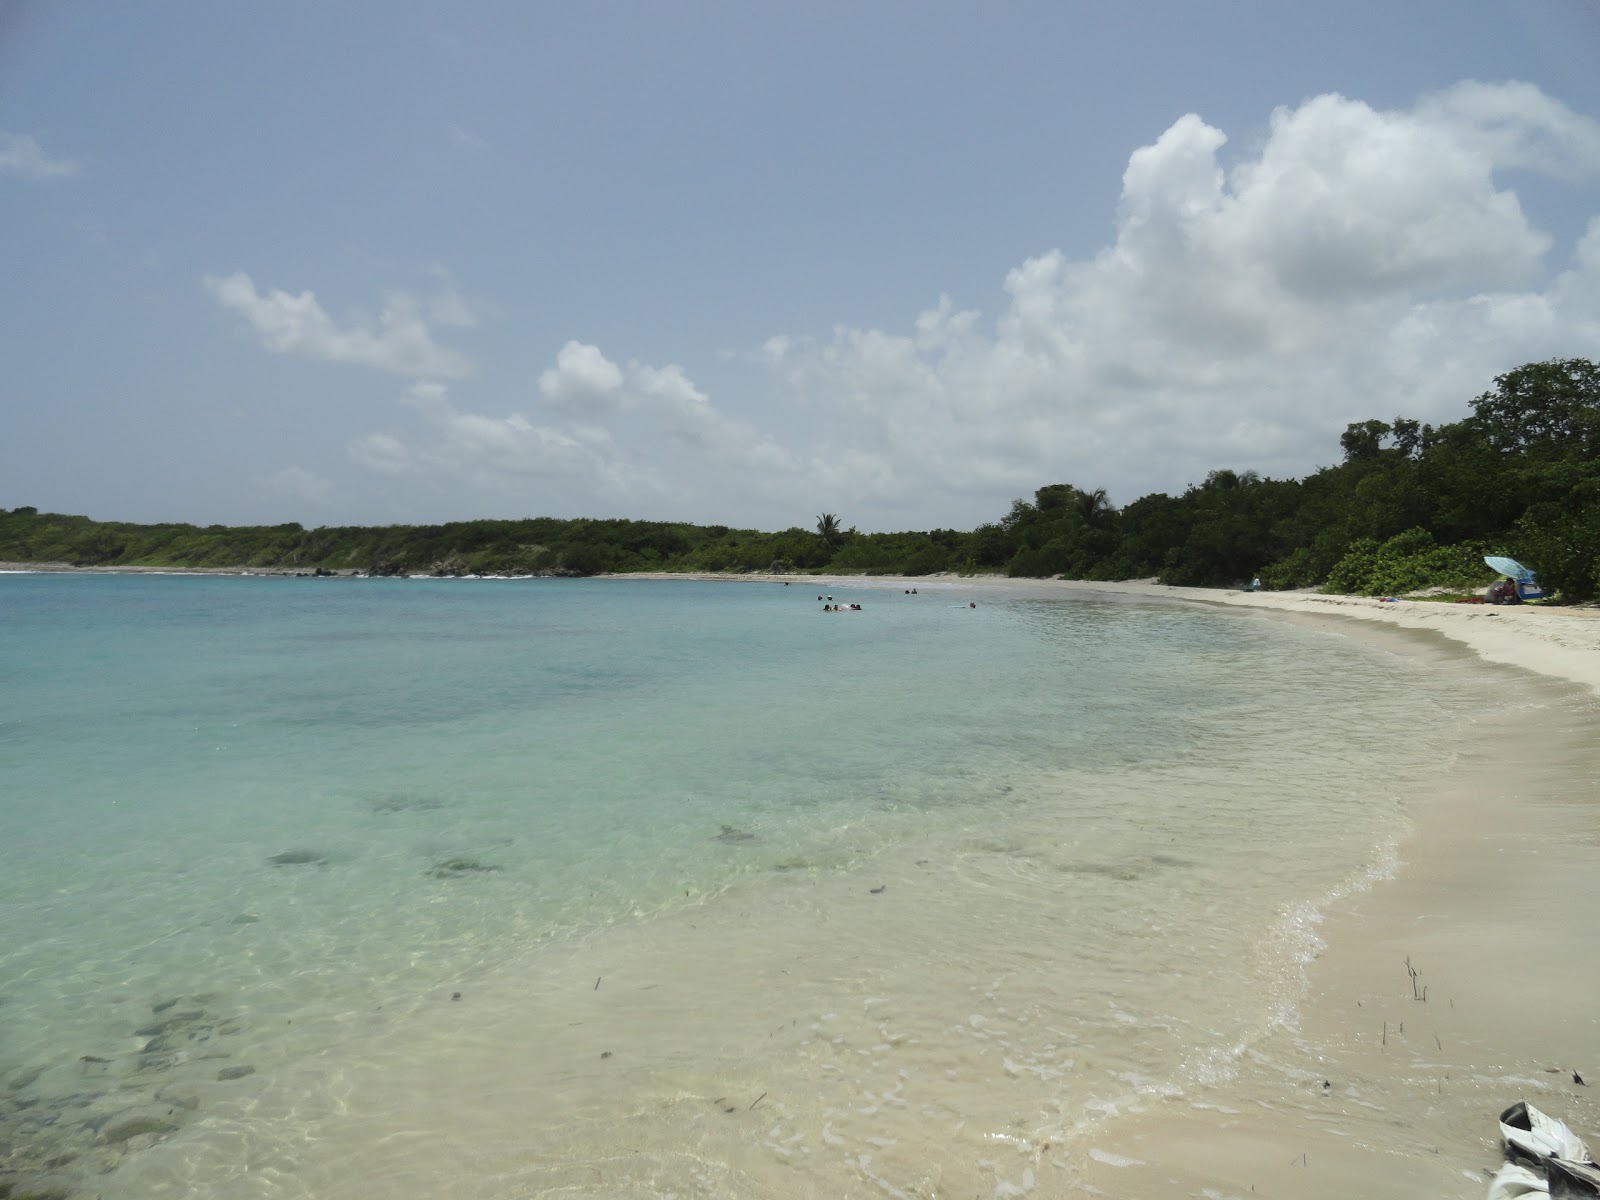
(454, 868)
(399, 802)
(299, 858)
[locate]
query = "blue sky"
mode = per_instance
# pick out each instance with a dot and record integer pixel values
(363, 262)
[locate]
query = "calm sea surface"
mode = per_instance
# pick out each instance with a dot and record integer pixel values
(739, 898)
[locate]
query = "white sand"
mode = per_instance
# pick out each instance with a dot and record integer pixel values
(1495, 905)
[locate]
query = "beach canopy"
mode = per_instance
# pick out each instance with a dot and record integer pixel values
(1509, 567)
(1527, 587)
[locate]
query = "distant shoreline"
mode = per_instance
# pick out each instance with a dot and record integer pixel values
(63, 568)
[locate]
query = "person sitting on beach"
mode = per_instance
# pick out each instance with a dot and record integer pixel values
(1504, 592)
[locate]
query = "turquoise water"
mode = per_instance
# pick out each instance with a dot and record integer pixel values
(296, 812)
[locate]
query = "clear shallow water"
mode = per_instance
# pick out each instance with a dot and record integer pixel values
(1097, 826)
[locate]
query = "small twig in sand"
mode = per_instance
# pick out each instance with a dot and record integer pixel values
(597, 980)
(1385, 1041)
(1438, 1043)
(757, 1101)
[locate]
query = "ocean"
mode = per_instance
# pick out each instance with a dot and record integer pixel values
(350, 887)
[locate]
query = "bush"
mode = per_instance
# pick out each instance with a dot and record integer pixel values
(1561, 543)
(1407, 562)
(930, 560)
(1299, 570)
(587, 558)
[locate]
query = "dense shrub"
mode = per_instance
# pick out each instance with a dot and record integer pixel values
(1407, 562)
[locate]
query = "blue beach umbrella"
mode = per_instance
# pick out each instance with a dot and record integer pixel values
(1527, 587)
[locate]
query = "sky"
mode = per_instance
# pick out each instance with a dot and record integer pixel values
(361, 262)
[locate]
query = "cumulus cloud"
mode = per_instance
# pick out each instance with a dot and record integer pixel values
(507, 454)
(577, 460)
(578, 453)
(1517, 125)
(583, 380)
(1351, 263)
(1356, 263)
(21, 155)
(398, 342)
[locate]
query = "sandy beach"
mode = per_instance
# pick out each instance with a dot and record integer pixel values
(1492, 906)
(1458, 984)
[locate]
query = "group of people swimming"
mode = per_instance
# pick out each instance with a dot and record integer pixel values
(830, 606)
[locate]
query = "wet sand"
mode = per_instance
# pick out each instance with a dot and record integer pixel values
(1464, 982)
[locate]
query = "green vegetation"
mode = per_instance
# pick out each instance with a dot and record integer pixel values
(1410, 506)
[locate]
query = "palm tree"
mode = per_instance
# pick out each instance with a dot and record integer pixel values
(828, 529)
(1094, 507)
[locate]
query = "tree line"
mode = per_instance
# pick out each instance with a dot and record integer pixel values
(1408, 506)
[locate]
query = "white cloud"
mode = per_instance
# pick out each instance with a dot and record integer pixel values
(507, 454)
(300, 484)
(21, 154)
(1355, 263)
(578, 461)
(583, 380)
(398, 342)
(688, 415)
(383, 453)
(1517, 125)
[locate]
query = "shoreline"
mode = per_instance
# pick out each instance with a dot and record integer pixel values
(1489, 903)
(1562, 643)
